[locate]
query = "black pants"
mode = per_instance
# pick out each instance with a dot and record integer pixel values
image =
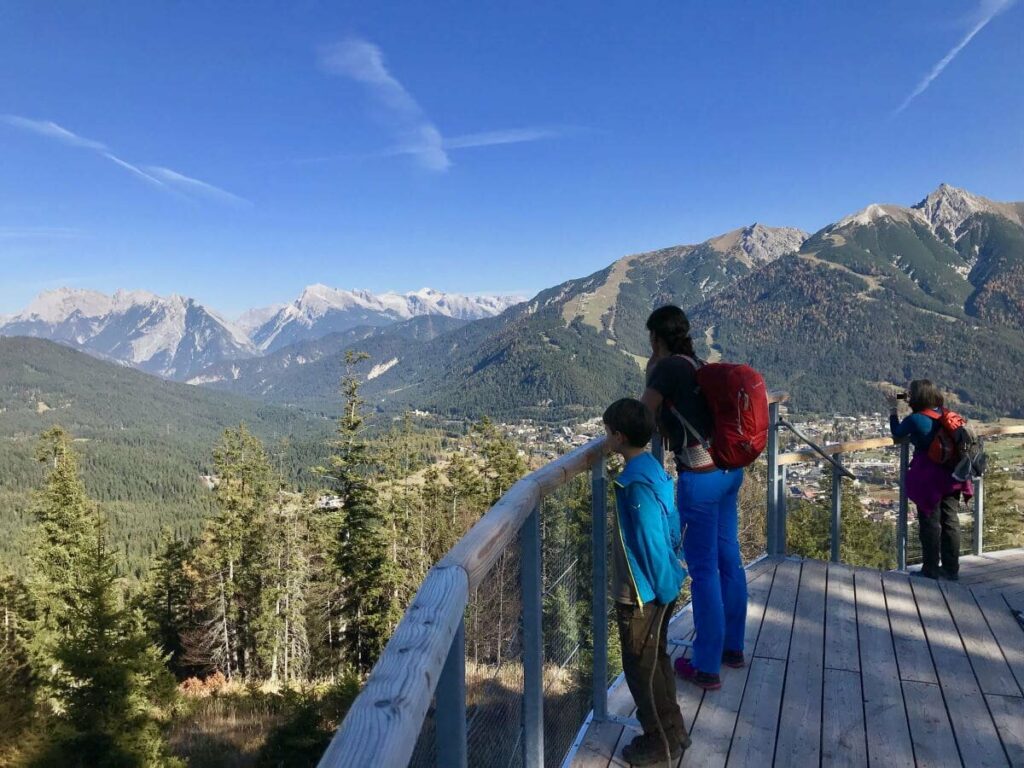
(645, 653)
(940, 535)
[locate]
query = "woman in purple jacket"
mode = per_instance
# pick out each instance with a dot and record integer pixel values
(931, 486)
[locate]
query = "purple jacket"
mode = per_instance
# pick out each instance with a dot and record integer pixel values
(928, 483)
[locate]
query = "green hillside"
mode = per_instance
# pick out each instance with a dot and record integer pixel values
(827, 337)
(565, 354)
(145, 442)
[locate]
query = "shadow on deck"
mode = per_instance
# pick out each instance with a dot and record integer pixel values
(849, 666)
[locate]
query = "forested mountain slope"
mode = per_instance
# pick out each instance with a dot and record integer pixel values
(145, 442)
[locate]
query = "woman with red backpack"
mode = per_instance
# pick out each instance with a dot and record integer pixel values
(929, 484)
(706, 496)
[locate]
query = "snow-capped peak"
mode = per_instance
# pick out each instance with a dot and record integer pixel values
(58, 305)
(321, 310)
(876, 212)
(947, 207)
(172, 336)
(252, 319)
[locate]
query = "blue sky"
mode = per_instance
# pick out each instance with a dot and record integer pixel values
(236, 152)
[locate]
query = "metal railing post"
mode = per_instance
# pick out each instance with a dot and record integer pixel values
(901, 520)
(979, 516)
(781, 533)
(837, 502)
(451, 704)
(772, 480)
(599, 589)
(533, 643)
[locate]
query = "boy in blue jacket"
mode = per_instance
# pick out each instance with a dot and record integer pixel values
(646, 579)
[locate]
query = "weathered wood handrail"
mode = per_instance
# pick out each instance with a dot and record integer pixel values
(385, 720)
(384, 723)
(797, 457)
(479, 549)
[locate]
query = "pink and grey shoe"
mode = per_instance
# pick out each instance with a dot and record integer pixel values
(704, 680)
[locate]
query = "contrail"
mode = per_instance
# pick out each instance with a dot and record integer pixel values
(989, 11)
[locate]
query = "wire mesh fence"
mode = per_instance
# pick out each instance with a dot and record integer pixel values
(494, 642)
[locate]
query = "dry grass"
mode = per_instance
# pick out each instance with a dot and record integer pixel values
(224, 730)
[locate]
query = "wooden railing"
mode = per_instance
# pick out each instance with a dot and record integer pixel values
(426, 655)
(427, 650)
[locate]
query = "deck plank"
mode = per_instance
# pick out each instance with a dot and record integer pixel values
(754, 739)
(799, 739)
(930, 730)
(1008, 713)
(773, 642)
(975, 732)
(850, 663)
(843, 743)
(841, 620)
(885, 717)
(712, 732)
(912, 654)
(1008, 633)
(990, 667)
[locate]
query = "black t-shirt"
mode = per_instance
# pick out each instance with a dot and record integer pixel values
(673, 379)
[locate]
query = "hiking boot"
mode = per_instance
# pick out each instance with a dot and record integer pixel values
(734, 659)
(951, 575)
(923, 574)
(649, 749)
(705, 680)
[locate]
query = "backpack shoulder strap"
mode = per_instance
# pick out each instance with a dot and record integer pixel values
(688, 426)
(695, 362)
(931, 413)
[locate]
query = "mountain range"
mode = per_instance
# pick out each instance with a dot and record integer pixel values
(178, 338)
(880, 296)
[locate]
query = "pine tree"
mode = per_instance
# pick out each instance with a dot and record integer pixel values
(104, 681)
(233, 558)
(65, 522)
(170, 599)
(17, 683)
(368, 605)
(862, 541)
(281, 624)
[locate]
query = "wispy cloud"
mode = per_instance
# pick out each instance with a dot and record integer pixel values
(413, 131)
(987, 11)
(52, 131)
(155, 175)
(132, 169)
(509, 136)
(363, 62)
(195, 185)
(40, 233)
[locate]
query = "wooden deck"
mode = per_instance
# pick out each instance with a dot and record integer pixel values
(853, 667)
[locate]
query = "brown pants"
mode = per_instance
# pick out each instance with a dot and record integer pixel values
(643, 634)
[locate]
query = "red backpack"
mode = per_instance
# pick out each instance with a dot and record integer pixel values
(737, 397)
(956, 445)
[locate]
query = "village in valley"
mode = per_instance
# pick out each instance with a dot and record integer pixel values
(877, 470)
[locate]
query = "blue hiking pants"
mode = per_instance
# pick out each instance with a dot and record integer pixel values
(707, 508)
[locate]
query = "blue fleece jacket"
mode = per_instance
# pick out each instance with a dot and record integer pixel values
(917, 427)
(649, 529)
